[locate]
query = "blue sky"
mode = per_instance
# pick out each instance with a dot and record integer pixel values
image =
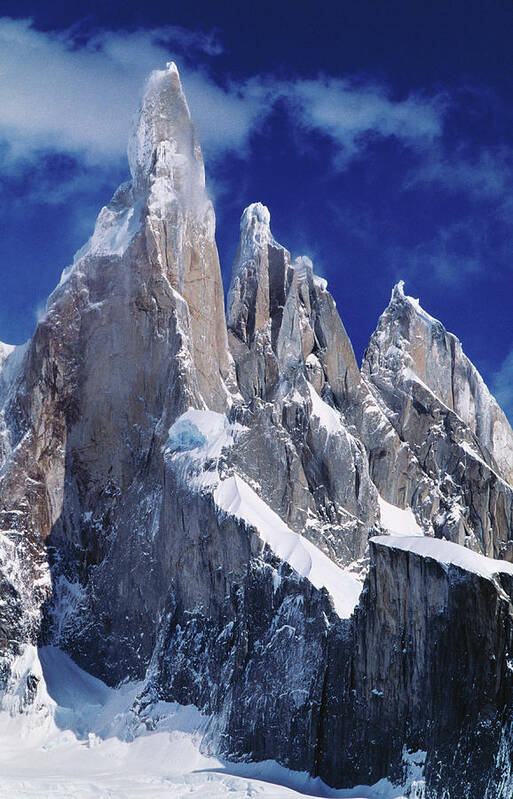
(378, 134)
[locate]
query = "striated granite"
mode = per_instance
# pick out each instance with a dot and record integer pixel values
(420, 674)
(280, 316)
(296, 370)
(408, 339)
(133, 335)
(437, 403)
(434, 638)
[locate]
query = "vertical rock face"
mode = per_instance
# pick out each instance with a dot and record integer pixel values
(249, 295)
(282, 325)
(281, 317)
(169, 178)
(437, 403)
(133, 336)
(408, 338)
(440, 618)
(297, 372)
(189, 501)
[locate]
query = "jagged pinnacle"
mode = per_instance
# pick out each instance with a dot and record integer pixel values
(256, 213)
(398, 291)
(255, 229)
(164, 116)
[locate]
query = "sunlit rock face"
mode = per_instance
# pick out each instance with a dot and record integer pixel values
(409, 341)
(133, 335)
(179, 226)
(438, 403)
(296, 371)
(280, 315)
(188, 500)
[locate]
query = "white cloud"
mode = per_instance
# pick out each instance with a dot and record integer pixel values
(351, 113)
(487, 175)
(79, 98)
(459, 250)
(73, 94)
(479, 241)
(57, 94)
(76, 95)
(56, 97)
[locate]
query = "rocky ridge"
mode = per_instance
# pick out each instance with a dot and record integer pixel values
(437, 402)
(189, 501)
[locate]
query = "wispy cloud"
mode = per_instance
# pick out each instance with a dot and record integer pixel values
(66, 93)
(69, 92)
(73, 94)
(475, 246)
(486, 175)
(474, 179)
(352, 113)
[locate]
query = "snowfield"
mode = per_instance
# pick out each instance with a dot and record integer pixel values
(84, 741)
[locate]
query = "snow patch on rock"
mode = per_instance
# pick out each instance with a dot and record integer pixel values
(447, 553)
(195, 444)
(398, 521)
(113, 232)
(255, 232)
(237, 498)
(194, 447)
(204, 433)
(327, 416)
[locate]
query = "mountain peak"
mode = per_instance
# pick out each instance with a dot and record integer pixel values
(163, 131)
(255, 225)
(413, 349)
(197, 518)
(398, 291)
(256, 212)
(405, 302)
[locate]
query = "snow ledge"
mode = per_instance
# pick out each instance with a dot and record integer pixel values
(447, 554)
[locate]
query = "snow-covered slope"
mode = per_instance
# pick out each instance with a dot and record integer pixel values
(398, 521)
(87, 741)
(196, 442)
(237, 498)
